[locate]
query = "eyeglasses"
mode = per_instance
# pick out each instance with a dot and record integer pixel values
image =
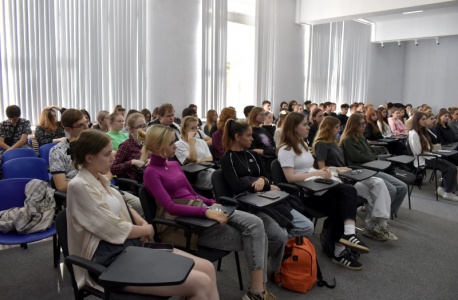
(139, 127)
(363, 124)
(86, 124)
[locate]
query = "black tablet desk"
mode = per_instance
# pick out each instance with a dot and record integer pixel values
(452, 152)
(138, 266)
(258, 201)
(194, 168)
(401, 159)
(316, 186)
(377, 165)
(360, 176)
(202, 223)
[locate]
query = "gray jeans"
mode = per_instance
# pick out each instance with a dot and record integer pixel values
(243, 232)
(396, 188)
(278, 236)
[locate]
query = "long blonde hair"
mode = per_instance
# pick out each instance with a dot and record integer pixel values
(253, 114)
(326, 132)
(210, 114)
(157, 137)
(185, 122)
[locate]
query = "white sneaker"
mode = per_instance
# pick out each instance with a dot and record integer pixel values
(450, 196)
(441, 191)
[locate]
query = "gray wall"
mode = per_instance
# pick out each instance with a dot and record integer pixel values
(175, 60)
(431, 73)
(289, 70)
(386, 74)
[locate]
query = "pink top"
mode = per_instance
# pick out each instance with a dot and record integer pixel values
(397, 127)
(165, 180)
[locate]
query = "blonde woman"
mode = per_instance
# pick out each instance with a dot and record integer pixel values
(281, 120)
(241, 231)
(116, 121)
(98, 218)
(212, 118)
(193, 150)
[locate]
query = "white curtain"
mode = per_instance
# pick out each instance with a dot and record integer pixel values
(72, 53)
(265, 51)
(339, 61)
(214, 65)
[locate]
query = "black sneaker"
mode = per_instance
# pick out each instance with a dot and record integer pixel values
(347, 261)
(353, 242)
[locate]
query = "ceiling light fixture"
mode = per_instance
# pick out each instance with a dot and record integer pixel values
(412, 12)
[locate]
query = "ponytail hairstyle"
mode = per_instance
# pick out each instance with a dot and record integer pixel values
(230, 130)
(289, 137)
(369, 115)
(89, 142)
(351, 129)
(158, 138)
(425, 140)
(326, 132)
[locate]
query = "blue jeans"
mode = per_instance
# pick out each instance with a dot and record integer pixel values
(243, 232)
(396, 188)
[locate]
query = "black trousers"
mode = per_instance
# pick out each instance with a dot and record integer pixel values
(339, 203)
(449, 174)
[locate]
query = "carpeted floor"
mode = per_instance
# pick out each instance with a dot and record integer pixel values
(421, 265)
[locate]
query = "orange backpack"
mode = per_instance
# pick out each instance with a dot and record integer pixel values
(299, 270)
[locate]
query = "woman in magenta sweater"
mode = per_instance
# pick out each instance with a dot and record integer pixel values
(165, 180)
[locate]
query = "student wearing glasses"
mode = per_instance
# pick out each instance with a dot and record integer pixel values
(127, 159)
(62, 172)
(357, 151)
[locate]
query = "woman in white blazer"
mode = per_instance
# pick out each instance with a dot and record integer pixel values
(96, 212)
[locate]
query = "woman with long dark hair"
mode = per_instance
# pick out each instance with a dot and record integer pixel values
(357, 151)
(382, 122)
(420, 142)
(317, 116)
(444, 133)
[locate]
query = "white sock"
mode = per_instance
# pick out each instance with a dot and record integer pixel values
(370, 224)
(349, 229)
(382, 222)
(338, 250)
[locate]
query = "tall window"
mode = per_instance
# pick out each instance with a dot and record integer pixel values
(240, 54)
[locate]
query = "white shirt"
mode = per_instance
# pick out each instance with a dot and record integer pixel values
(182, 151)
(301, 163)
(387, 132)
(415, 147)
(114, 204)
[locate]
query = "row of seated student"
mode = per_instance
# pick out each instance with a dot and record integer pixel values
(340, 256)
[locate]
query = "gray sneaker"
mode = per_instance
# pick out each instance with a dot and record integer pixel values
(374, 235)
(386, 232)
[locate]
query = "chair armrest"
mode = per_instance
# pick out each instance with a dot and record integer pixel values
(60, 198)
(289, 188)
(89, 265)
(170, 223)
(228, 201)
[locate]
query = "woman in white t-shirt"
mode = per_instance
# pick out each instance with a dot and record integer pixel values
(339, 202)
(382, 122)
(193, 150)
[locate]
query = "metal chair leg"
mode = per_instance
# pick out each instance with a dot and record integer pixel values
(239, 273)
(56, 250)
(435, 177)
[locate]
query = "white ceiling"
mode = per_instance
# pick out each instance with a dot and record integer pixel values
(428, 12)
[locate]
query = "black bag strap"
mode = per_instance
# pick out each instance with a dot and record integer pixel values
(320, 282)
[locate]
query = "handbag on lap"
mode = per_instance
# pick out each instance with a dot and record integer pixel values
(173, 235)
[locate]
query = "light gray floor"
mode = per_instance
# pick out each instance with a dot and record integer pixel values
(421, 265)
